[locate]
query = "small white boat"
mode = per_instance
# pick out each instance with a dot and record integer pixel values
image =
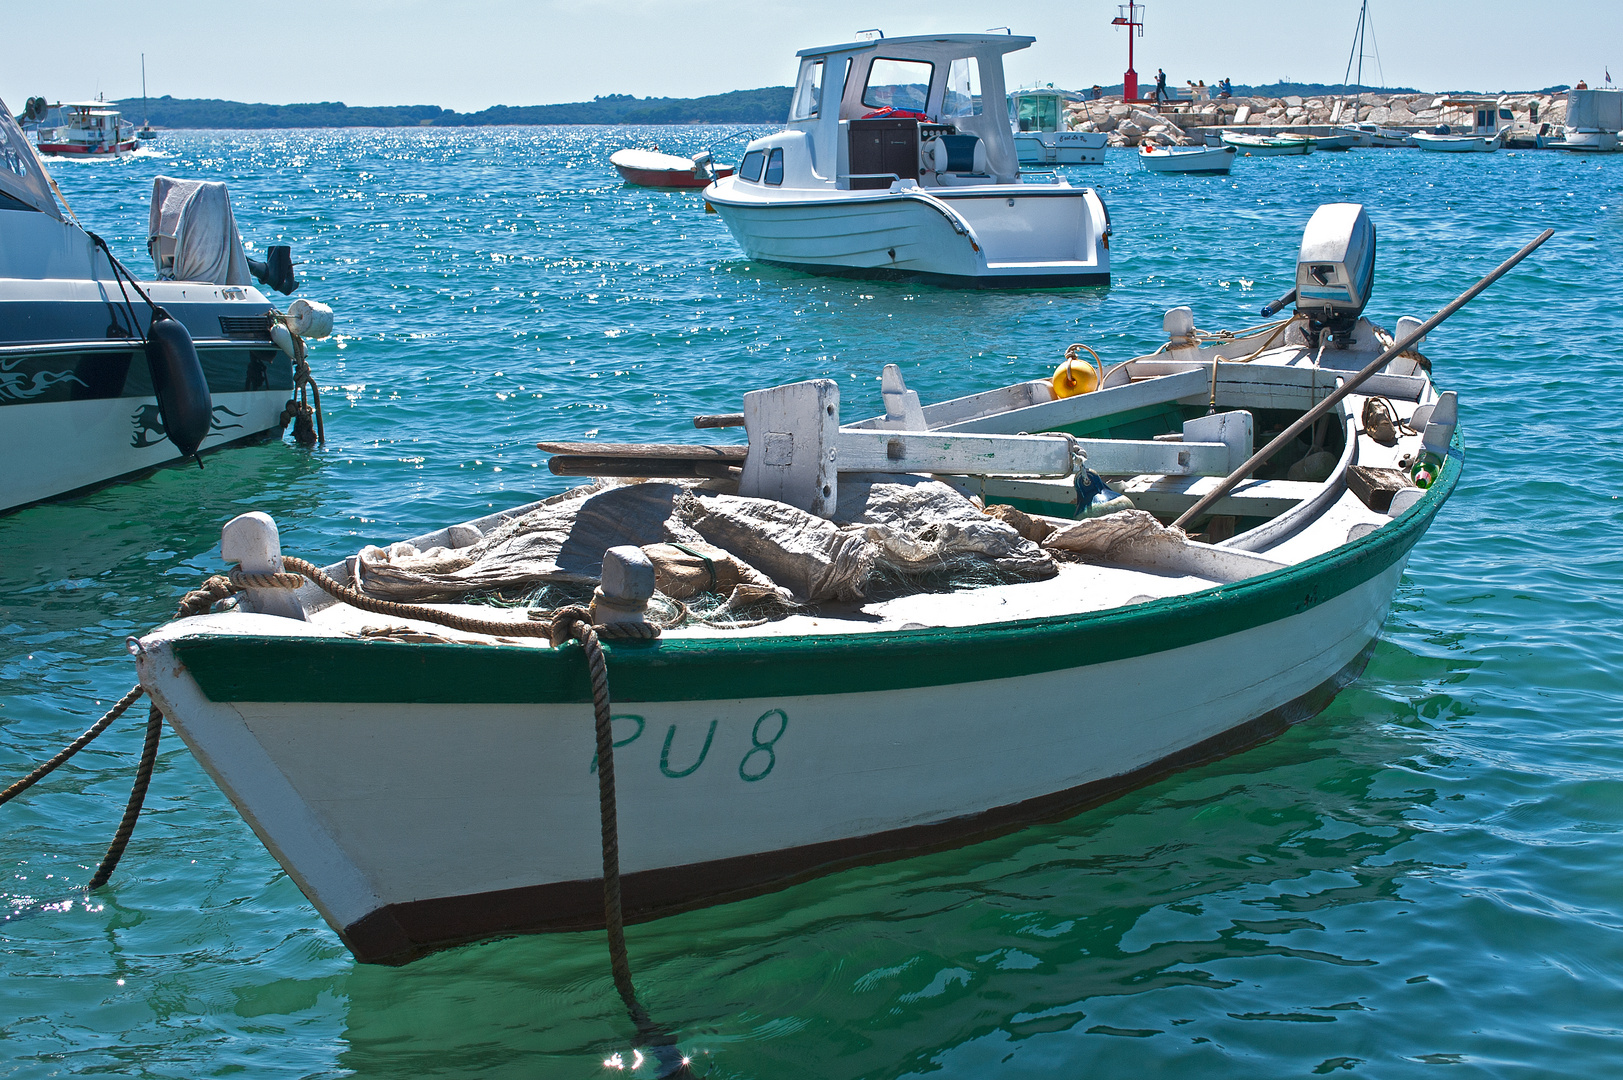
(1187, 159)
(426, 786)
(1268, 145)
(1375, 135)
(1456, 144)
(1340, 141)
(650, 168)
(93, 385)
(897, 165)
(1040, 137)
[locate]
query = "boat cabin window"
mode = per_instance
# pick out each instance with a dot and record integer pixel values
(750, 167)
(808, 91)
(1532, 112)
(774, 167)
(1506, 114)
(963, 88)
(898, 84)
(1037, 113)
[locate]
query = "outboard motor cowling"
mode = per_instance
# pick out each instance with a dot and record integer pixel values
(179, 384)
(1335, 269)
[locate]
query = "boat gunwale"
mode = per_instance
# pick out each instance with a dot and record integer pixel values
(231, 667)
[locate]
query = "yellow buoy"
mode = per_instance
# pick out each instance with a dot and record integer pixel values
(1076, 376)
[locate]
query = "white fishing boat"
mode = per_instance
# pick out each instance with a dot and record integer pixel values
(1455, 144)
(427, 784)
(1268, 145)
(898, 163)
(103, 375)
(1040, 135)
(1187, 159)
(1479, 120)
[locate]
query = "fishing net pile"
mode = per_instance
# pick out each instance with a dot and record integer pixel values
(735, 559)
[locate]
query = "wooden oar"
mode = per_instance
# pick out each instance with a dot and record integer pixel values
(635, 459)
(1261, 457)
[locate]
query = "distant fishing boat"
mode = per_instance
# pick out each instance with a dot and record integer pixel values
(1187, 159)
(1268, 145)
(650, 168)
(85, 129)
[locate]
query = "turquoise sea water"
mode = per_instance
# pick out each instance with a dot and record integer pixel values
(1428, 874)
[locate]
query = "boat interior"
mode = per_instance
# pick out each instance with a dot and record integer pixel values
(1105, 485)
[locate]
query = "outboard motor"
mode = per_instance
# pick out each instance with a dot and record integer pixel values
(277, 269)
(179, 383)
(1335, 271)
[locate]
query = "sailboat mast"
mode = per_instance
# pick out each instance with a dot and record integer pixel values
(144, 121)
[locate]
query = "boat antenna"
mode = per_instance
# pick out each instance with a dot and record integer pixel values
(1307, 419)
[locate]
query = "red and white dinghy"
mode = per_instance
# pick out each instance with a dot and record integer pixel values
(650, 168)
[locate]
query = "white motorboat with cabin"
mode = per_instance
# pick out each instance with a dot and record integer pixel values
(1187, 159)
(899, 163)
(1593, 121)
(85, 129)
(102, 375)
(908, 631)
(1040, 134)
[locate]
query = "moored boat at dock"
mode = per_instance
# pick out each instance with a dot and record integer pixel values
(103, 375)
(1187, 159)
(1268, 145)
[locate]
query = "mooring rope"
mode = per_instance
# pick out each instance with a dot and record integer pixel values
(572, 623)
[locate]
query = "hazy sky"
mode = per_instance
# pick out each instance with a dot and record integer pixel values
(469, 54)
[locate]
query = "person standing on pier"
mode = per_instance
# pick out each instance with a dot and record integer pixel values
(1160, 85)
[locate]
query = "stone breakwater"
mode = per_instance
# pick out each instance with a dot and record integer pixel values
(1130, 123)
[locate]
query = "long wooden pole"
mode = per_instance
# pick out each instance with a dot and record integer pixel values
(1306, 420)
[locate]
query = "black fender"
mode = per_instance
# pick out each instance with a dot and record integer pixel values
(179, 383)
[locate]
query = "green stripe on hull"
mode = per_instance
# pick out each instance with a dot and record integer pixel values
(247, 668)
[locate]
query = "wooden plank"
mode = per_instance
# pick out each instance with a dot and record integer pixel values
(718, 420)
(974, 455)
(1073, 410)
(791, 439)
(1250, 498)
(1130, 457)
(731, 454)
(640, 466)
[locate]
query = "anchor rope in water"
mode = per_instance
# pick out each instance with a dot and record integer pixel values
(571, 623)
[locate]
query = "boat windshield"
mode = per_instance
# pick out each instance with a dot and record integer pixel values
(808, 91)
(963, 88)
(898, 84)
(1037, 113)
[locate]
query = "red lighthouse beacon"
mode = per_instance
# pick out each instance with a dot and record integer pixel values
(1132, 16)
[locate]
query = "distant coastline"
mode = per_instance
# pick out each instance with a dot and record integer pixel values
(767, 105)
